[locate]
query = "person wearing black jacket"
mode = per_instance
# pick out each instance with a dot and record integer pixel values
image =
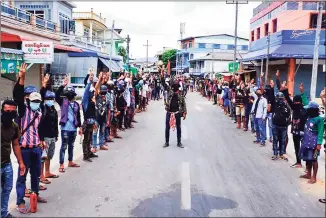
(121, 103)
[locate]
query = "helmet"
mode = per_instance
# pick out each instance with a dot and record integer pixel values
(70, 90)
(29, 89)
(49, 95)
(103, 88)
(279, 95)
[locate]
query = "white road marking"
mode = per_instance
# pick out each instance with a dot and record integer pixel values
(184, 132)
(185, 186)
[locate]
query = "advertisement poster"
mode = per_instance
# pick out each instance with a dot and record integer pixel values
(40, 52)
(10, 63)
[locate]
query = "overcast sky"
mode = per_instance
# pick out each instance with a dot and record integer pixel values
(159, 22)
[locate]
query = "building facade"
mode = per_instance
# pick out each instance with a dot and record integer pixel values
(195, 50)
(289, 28)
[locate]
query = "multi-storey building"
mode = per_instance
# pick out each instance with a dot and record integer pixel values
(291, 27)
(191, 57)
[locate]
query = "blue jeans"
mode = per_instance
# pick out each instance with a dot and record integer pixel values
(68, 139)
(260, 126)
(279, 135)
(32, 161)
(6, 187)
(99, 132)
(270, 126)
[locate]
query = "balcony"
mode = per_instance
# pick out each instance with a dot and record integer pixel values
(26, 17)
(88, 16)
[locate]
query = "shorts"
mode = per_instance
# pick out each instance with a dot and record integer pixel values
(50, 147)
(240, 111)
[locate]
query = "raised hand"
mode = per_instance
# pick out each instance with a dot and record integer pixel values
(277, 74)
(22, 70)
(262, 74)
(46, 79)
(301, 87)
(322, 93)
(65, 82)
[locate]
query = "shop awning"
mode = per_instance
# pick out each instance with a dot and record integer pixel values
(8, 37)
(112, 65)
(82, 54)
(286, 51)
(67, 48)
(11, 51)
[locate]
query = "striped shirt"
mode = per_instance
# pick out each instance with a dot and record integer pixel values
(30, 139)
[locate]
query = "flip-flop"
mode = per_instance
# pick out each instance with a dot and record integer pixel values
(62, 170)
(24, 210)
(42, 200)
(42, 188)
(45, 181)
(28, 193)
(74, 165)
(52, 176)
(322, 201)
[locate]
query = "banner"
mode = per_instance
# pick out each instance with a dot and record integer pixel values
(10, 63)
(40, 52)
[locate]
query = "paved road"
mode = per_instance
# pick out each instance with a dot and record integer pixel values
(220, 172)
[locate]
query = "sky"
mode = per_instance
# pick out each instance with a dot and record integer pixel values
(159, 22)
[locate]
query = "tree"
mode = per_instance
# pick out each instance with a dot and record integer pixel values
(169, 55)
(122, 52)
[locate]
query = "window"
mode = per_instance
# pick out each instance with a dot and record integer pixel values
(313, 21)
(258, 33)
(244, 47)
(266, 29)
(230, 47)
(184, 46)
(39, 14)
(64, 23)
(253, 35)
(309, 5)
(216, 46)
(292, 6)
(190, 44)
(201, 45)
(274, 25)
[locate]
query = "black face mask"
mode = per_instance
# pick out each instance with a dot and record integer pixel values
(297, 107)
(7, 117)
(103, 93)
(313, 112)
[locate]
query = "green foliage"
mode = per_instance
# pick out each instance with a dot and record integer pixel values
(169, 55)
(122, 52)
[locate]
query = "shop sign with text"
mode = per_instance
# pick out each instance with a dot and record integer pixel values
(38, 52)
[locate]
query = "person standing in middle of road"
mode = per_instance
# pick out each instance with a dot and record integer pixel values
(175, 109)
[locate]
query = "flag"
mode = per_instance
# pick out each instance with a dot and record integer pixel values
(169, 66)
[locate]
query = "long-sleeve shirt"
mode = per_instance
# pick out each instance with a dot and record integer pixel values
(126, 95)
(262, 106)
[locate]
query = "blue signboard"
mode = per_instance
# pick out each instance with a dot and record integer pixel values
(293, 37)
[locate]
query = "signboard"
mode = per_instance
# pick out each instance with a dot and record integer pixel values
(237, 66)
(10, 63)
(40, 52)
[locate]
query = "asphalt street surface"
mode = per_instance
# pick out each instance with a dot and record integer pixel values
(220, 172)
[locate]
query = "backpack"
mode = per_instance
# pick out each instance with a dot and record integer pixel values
(282, 115)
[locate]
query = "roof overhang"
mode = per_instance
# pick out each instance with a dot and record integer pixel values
(8, 37)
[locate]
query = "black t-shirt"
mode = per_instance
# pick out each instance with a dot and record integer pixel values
(174, 105)
(7, 136)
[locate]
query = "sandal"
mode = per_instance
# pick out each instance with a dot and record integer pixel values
(305, 176)
(62, 170)
(322, 201)
(52, 176)
(42, 188)
(23, 210)
(73, 165)
(274, 157)
(312, 181)
(45, 181)
(41, 200)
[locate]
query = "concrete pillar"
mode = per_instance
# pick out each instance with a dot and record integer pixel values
(33, 20)
(90, 33)
(291, 72)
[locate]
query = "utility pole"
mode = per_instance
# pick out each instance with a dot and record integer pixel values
(212, 62)
(147, 45)
(267, 57)
(236, 2)
(182, 31)
(316, 54)
(128, 41)
(111, 46)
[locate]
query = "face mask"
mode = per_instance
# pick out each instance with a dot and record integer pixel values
(8, 116)
(49, 103)
(103, 93)
(34, 106)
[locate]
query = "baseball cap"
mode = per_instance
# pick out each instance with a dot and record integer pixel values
(34, 96)
(29, 90)
(312, 105)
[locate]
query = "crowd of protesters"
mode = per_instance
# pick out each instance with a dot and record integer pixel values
(30, 125)
(266, 106)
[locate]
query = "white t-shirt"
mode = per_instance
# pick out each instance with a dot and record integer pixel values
(145, 90)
